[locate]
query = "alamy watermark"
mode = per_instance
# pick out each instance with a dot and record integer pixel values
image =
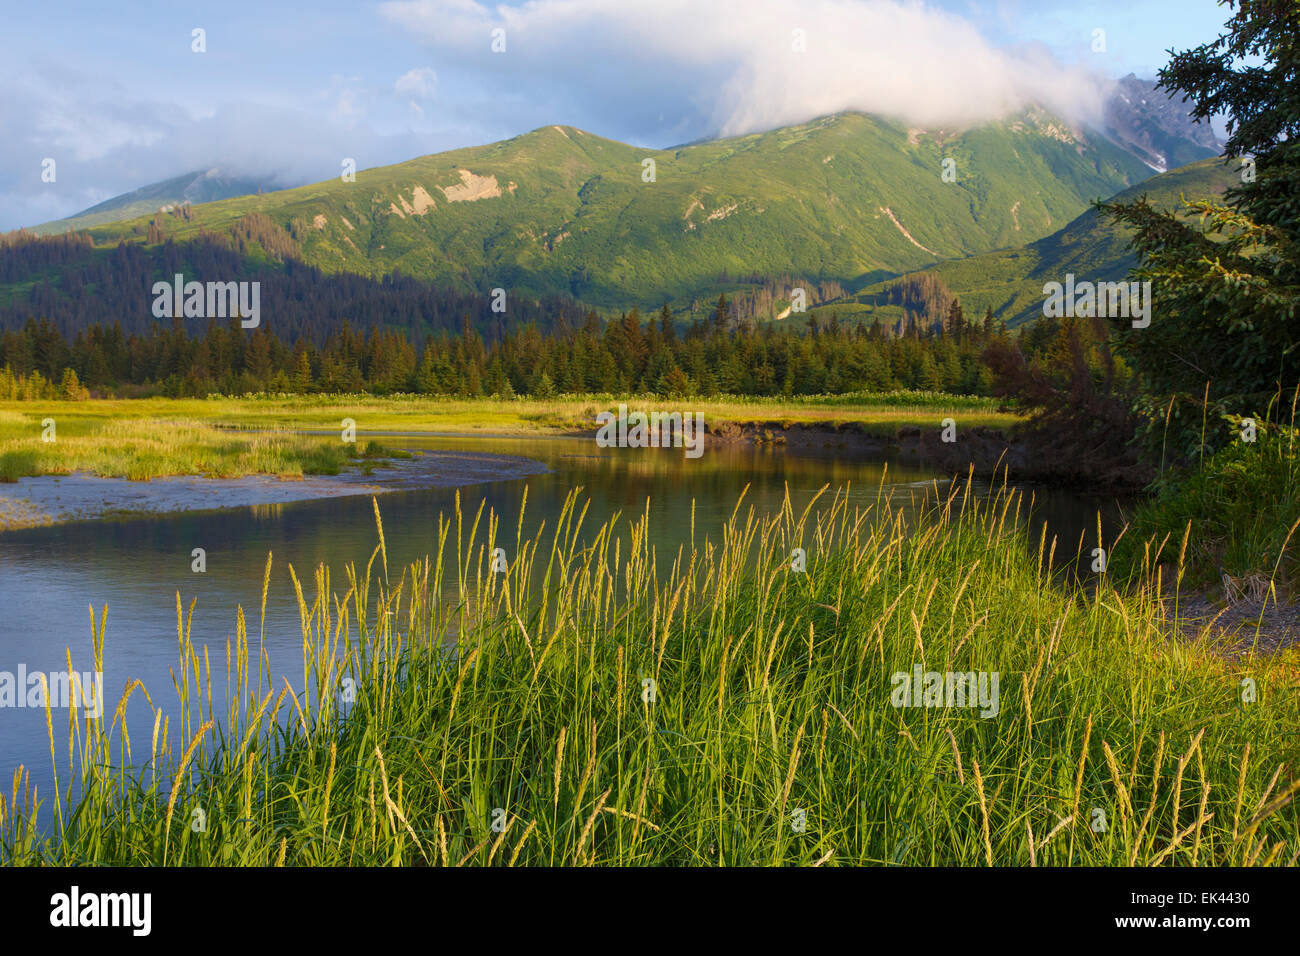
(208, 300)
(65, 688)
(1087, 299)
(652, 430)
(946, 689)
(129, 910)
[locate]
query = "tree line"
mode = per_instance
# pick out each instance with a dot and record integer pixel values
(631, 354)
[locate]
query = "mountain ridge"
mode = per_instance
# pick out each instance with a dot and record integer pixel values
(562, 210)
(1148, 122)
(198, 186)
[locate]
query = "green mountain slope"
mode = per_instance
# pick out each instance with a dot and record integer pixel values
(562, 210)
(1010, 281)
(196, 187)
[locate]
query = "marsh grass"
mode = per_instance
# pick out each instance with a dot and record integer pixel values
(772, 695)
(882, 413)
(228, 438)
(141, 448)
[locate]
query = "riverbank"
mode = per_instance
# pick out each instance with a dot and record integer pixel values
(1252, 625)
(69, 460)
(708, 716)
(37, 501)
(294, 437)
(993, 452)
(1227, 533)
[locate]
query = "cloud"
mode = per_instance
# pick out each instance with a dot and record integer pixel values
(735, 66)
(419, 83)
(107, 140)
(650, 72)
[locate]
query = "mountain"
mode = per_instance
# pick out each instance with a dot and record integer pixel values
(1010, 281)
(1155, 126)
(192, 188)
(560, 210)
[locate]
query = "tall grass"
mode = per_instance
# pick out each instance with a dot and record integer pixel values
(144, 448)
(1236, 514)
(527, 691)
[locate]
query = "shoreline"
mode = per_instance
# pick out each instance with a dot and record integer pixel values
(992, 451)
(1235, 630)
(61, 498)
(46, 500)
(989, 449)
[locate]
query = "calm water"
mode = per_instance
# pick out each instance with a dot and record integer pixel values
(50, 577)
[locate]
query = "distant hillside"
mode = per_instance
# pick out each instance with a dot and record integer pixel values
(194, 188)
(560, 210)
(1010, 281)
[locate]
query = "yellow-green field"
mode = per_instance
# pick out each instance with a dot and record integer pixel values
(149, 438)
(137, 445)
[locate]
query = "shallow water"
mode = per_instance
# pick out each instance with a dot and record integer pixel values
(49, 577)
(47, 499)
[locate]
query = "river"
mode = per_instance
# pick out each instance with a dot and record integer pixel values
(49, 577)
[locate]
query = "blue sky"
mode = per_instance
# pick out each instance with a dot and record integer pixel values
(115, 94)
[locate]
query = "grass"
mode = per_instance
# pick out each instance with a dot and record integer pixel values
(152, 442)
(885, 412)
(1237, 514)
(1114, 743)
(150, 438)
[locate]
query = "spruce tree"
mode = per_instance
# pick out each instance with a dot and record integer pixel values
(1226, 286)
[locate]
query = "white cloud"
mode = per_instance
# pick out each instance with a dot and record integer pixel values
(650, 72)
(732, 66)
(419, 83)
(111, 144)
